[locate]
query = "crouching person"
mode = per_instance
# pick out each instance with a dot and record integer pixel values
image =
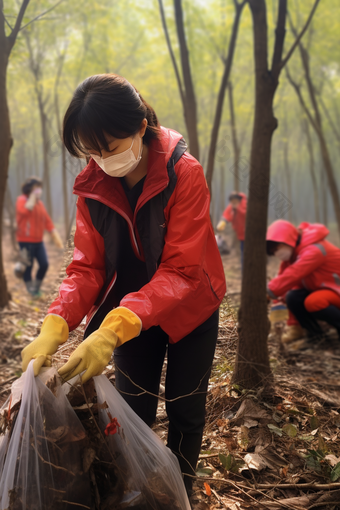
(308, 279)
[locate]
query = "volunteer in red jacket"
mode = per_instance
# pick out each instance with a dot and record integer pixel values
(235, 213)
(32, 221)
(309, 276)
(146, 270)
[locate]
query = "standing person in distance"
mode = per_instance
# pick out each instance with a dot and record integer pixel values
(32, 221)
(235, 213)
(146, 270)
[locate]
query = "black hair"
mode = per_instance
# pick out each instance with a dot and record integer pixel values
(29, 184)
(271, 247)
(233, 195)
(105, 104)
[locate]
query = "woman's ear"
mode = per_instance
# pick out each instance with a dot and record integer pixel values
(143, 127)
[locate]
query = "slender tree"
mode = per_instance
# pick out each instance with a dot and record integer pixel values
(186, 88)
(236, 145)
(315, 120)
(305, 127)
(221, 93)
(7, 43)
(252, 362)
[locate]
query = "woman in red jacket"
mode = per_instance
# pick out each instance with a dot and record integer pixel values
(235, 213)
(309, 276)
(146, 270)
(32, 221)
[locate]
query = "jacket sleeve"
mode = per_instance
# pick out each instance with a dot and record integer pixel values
(49, 226)
(86, 273)
(180, 277)
(307, 262)
(228, 213)
(21, 210)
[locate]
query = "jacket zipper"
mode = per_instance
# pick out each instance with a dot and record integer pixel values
(102, 301)
(119, 211)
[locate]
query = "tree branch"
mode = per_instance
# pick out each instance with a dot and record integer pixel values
(42, 14)
(280, 33)
(174, 63)
(7, 23)
(13, 35)
(302, 101)
(299, 37)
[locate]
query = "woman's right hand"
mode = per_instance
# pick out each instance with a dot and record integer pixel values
(54, 332)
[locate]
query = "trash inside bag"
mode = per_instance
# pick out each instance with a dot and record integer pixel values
(74, 446)
(150, 470)
(41, 451)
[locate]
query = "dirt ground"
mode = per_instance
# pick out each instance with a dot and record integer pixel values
(257, 452)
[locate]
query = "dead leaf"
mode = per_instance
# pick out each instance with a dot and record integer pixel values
(254, 461)
(249, 410)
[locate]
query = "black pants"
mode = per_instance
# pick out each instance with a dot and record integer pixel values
(295, 302)
(188, 372)
(35, 251)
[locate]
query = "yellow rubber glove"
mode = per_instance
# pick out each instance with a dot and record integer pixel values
(57, 239)
(94, 353)
(221, 225)
(54, 332)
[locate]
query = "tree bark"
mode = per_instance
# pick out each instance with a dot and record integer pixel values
(316, 122)
(252, 367)
(221, 93)
(12, 220)
(35, 67)
(252, 360)
(288, 176)
(190, 108)
(67, 218)
(312, 170)
(6, 141)
(236, 146)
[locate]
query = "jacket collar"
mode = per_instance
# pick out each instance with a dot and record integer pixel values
(92, 182)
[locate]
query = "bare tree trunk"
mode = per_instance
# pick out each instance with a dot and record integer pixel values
(35, 62)
(312, 170)
(236, 146)
(252, 362)
(288, 176)
(6, 141)
(46, 156)
(324, 196)
(63, 149)
(190, 107)
(12, 220)
(317, 125)
(221, 93)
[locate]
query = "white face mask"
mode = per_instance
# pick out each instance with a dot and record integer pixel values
(284, 253)
(38, 192)
(119, 165)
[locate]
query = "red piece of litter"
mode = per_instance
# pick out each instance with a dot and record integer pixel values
(112, 427)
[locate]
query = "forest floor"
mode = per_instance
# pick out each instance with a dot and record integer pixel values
(272, 452)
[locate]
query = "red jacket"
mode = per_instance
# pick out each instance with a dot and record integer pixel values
(315, 263)
(237, 217)
(189, 282)
(31, 224)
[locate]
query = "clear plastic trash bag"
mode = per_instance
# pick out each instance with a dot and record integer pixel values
(41, 447)
(97, 455)
(150, 470)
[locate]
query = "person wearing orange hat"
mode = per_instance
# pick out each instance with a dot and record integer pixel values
(308, 279)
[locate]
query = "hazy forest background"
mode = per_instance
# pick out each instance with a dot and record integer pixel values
(77, 39)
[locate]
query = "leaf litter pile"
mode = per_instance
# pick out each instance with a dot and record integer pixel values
(259, 451)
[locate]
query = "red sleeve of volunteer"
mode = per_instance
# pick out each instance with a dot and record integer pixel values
(308, 260)
(85, 274)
